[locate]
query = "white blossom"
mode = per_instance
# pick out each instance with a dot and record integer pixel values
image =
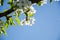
(32, 9)
(30, 24)
(22, 22)
(16, 12)
(27, 22)
(43, 2)
(32, 20)
(19, 10)
(25, 5)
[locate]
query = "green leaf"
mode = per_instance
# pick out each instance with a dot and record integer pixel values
(3, 30)
(12, 5)
(6, 25)
(31, 14)
(5, 10)
(11, 1)
(11, 21)
(39, 3)
(17, 20)
(18, 13)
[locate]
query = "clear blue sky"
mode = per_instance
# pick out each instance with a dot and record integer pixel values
(46, 27)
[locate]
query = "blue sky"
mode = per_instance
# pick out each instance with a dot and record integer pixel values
(46, 27)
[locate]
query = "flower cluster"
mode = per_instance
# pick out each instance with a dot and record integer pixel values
(29, 22)
(22, 3)
(26, 7)
(30, 13)
(32, 10)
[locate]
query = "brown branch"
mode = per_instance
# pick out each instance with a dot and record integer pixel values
(35, 1)
(7, 12)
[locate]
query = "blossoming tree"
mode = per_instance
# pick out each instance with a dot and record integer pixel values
(19, 7)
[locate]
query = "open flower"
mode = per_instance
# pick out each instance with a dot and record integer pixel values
(32, 9)
(22, 22)
(43, 2)
(32, 20)
(27, 22)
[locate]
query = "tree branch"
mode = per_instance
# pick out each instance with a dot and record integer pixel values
(35, 1)
(7, 12)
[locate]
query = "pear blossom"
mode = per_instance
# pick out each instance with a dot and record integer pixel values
(43, 2)
(16, 12)
(27, 22)
(22, 22)
(32, 9)
(32, 20)
(25, 6)
(19, 10)
(30, 24)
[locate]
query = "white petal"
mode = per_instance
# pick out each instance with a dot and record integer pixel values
(33, 22)
(27, 22)
(17, 0)
(21, 24)
(33, 19)
(30, 24)
(1, 32)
